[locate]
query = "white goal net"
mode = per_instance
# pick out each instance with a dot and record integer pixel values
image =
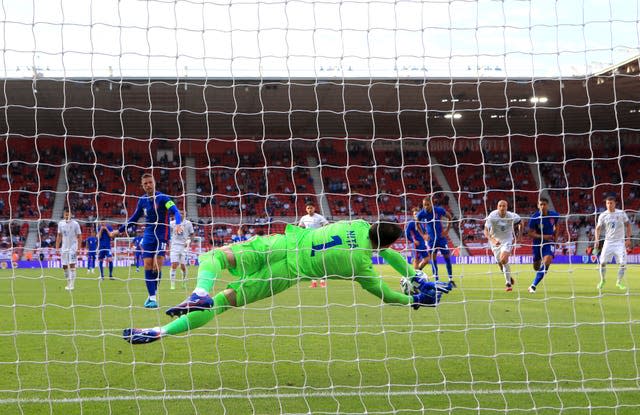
(247, 113)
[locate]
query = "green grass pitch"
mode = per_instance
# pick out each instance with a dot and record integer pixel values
(566, 349)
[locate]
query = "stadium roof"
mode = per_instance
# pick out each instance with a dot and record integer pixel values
(310, 108)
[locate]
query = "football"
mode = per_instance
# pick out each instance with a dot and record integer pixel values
(408, 286)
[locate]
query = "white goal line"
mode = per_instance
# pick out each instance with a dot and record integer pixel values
(316, 394)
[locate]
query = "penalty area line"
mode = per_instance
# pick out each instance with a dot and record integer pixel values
(315, 394)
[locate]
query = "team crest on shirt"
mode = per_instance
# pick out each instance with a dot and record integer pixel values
(144, 211)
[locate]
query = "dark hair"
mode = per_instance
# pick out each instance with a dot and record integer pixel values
(384, 234)
(310, 204)
(610, 197)
(544, 199)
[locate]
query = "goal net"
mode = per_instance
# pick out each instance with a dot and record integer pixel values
(248, 112)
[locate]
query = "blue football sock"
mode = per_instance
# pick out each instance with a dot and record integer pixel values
(150, 281)
(110, 269)
(434, 268)
(539, 275)
(101, 269)
(447, 261)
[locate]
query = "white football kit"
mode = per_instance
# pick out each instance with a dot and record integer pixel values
(313, 222)
(614, 228)
(69, 230)
(180, 241)
(501, 228)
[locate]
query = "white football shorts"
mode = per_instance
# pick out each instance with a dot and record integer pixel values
(610, 250)
(69, 257)
(505, 246)
(178, 255)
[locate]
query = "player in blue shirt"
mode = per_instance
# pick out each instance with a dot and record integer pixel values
(543, 228)
(91, 243)
(137, 250)
(436, 237)
(105, 233)
(415, 233)
(156, 207)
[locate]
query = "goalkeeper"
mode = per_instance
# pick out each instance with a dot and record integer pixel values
(267, 265)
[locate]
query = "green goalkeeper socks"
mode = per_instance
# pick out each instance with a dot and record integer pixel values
(197, 319)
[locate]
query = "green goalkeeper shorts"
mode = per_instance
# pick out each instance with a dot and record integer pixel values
(261, 268)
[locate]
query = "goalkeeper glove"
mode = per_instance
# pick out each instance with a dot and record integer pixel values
(430, 293)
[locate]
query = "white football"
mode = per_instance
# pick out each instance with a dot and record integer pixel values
(408, 287)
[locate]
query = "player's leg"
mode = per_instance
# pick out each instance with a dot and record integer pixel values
(246, 258)
(506, 269)
(603, 259)
(537, 263)
(150, 277)
(72, 276)
(443, 246)
(110, 261)
(547, 252)
(271, 280)
(64, 261)
(174, 268)
(158, 263)
(433, 258)
(621, 259)
(101, 256)
(73, 260)
(183, 265)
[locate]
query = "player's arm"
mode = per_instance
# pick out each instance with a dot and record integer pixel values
(517, 231)
(408, 232)
(627, 239)
(556, 228)
(324, 220)
(374, 284)
(420, 219)
(133, 218)
(397, 262)
(596, 237)
(445, 232)
(58, 238)
(79, 236)
(173, 209)
(487, 233)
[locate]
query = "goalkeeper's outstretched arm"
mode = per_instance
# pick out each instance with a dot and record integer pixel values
(429, 293)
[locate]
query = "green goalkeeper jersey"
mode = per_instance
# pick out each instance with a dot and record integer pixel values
(343, 250)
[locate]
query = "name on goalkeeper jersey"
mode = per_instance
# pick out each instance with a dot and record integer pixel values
(351, 239)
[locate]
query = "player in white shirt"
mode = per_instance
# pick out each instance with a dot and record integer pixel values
(180, 243)
(313, 220)
(502, 228)
(67, 242)
(613, 222)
